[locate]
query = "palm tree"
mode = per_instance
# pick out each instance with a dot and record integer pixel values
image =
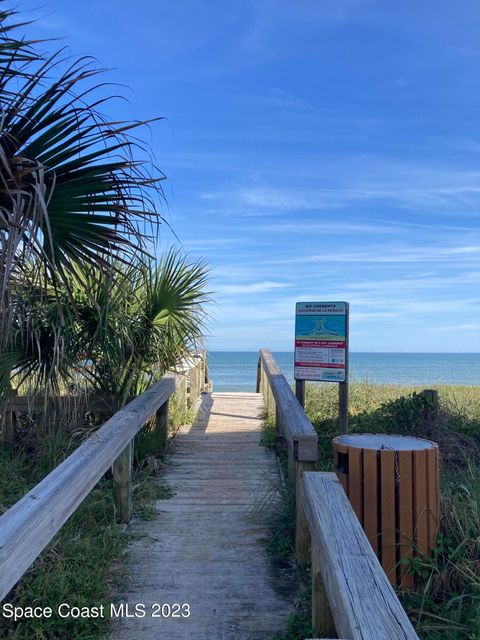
(136, 325)
(72, 195)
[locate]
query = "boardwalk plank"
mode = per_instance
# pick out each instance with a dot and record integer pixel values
(204, 546)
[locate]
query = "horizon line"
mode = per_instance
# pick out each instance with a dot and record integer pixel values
(389, 352)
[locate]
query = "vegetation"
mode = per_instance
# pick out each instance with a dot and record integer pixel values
(402, 410)
(281, 541)
(88, 305)
(73, 195)
(81, 565)
(84, 307)
(80, 295)
(445, 605)
(134, 328)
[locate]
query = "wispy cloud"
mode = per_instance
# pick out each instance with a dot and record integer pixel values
(279, 99)
(365, 225)
(261, 198)
(271, 18)
(207, 243)
(250, 287)
(454, 328)
(383, 254)
(373, 315)
(413, 188)
(328, 227)
(414, 284)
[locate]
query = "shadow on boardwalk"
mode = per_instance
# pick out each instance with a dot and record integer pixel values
(203, 548)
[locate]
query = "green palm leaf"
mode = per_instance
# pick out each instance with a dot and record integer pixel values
(72, 195)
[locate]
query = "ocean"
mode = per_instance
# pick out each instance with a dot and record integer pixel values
(237, 370)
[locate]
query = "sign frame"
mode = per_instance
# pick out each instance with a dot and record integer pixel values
(342, 384)
(321, 354)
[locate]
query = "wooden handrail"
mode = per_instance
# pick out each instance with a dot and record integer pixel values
(295, 429)
(292, 421)
(29, 525)
(351, 595)
(350, 591)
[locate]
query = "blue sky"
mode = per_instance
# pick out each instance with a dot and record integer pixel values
(314, 151)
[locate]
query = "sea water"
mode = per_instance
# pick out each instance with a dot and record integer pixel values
(237, 370)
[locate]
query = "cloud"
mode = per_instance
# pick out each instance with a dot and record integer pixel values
(274, 19)
(53, 21)
(366, 225)
(328, 227)
(471, 326)
(417, 283)
(327, 183)
(251, 287)
(206, 160)
(384, 254)
(261, 198)
(372, 315)
(279, 99)
(227, 242)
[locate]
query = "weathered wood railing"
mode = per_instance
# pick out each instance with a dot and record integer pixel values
(29, 525)
(350, 591)
(294, 429)
(351, 595)
(75, 405)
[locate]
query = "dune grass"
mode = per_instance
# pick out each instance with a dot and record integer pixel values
(445, 605)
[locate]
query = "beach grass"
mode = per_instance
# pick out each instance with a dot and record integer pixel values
(445, 604)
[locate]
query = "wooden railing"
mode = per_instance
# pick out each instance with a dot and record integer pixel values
(294, 431)
(29, 525)
(350, 591)
(351, 595)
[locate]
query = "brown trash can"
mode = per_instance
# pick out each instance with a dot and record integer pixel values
(392, 483)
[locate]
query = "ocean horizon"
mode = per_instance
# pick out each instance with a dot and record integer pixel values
(236, 370)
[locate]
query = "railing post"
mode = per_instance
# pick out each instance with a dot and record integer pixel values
(122, 483)
(302, 534)
(8, 421)
(300, 392)
(8, 428)
(193, 385)
(259, 376)
(161, 419)
(184, 392)
(207, 379)
(195, 377)
(431, 404)
(343, 407)
(323, 625)
(198, 380)
(264, 389)
(204, 371)
(188, 388)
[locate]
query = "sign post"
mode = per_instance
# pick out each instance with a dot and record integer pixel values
(321, 349)
(300, 391)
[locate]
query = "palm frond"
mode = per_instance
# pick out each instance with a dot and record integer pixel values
(73, 197)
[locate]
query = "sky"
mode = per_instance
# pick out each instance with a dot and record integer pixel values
(314, 150)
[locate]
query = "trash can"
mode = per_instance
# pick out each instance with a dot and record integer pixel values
(392, 483)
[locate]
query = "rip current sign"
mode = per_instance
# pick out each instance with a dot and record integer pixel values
(321, 341)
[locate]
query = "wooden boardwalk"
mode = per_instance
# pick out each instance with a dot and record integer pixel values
(204, 547)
